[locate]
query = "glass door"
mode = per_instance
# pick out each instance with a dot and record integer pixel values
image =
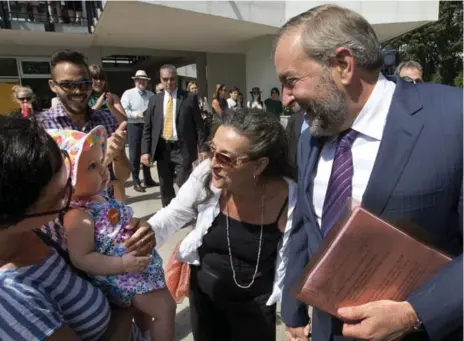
(35, 73)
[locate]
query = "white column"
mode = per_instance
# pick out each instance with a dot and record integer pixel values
(260, 70)
(225, 68)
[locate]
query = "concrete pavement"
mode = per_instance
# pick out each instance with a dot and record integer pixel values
(145, 205)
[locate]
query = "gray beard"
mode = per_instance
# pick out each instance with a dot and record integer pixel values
(326, 117)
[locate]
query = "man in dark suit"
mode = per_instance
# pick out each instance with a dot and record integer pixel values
(296, 124)
(396, 147)
(173, 133)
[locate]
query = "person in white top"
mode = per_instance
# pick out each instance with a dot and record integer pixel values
(135, 102)
(233, 102)
(242, 200)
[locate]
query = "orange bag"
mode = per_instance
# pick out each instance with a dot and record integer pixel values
(177, 275)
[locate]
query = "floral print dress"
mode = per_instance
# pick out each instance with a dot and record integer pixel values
(110, 224)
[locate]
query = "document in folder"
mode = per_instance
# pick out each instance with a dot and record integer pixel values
(365, 259)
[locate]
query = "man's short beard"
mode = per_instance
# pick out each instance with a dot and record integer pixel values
(72, 110)
(326, 117)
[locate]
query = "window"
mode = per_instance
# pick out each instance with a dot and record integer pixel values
(31, 67)
(8, 67)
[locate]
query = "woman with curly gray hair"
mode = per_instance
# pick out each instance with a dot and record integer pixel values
(242, 199)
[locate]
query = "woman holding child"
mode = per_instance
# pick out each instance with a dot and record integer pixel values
(43, 296)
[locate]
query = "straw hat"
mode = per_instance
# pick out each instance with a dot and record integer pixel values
(141, 74)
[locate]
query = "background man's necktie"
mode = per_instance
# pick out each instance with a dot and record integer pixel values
(168, 121)
(340, 188)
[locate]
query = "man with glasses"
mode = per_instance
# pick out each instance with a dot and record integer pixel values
(72, 85)
(410, 71)
(173, 133)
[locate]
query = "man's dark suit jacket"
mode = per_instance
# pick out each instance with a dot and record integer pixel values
(191, 132)
(293, 129)
(417, 176)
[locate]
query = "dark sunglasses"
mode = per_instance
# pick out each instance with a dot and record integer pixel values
(410, 80)
(22, 99)
(65, 196)
(224, 159)
(71, 86)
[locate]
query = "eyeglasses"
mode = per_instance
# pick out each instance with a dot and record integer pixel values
(411, 80)
(24, 99)
(82, 85)
(65, 195)
(226, 160)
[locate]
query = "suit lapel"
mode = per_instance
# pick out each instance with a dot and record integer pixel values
(399, 137)
(180, 100)
(159, 110)
(315, 148)
(298, 125)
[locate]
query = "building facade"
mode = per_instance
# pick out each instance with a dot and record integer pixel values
(213, 41)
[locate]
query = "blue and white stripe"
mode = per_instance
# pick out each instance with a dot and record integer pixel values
(37, 300)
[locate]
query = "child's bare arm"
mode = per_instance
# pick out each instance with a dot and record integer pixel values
(79, 228)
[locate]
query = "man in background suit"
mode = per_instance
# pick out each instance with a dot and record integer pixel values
(173, 133)
(397, 148)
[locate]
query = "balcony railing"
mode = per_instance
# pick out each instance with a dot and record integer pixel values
(50, 16)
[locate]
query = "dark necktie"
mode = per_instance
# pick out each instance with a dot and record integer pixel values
(340, 188)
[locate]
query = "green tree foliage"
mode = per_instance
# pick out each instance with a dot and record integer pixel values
(437, 46)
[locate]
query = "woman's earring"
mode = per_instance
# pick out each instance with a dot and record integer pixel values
(255, 179)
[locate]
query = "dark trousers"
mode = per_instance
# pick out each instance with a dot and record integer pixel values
(172, 168)
(215, 317)
(134, 134)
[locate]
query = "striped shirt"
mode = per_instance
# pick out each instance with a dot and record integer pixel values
(37, 300)
(58, 118)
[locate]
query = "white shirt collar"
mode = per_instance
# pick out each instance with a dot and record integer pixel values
(371, 120)
(174, 93)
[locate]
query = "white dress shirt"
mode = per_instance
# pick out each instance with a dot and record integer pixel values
(369, 124)
(189, 204)
(135, 102)
(174, 111)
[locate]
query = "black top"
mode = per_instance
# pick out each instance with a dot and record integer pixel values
(244, 240)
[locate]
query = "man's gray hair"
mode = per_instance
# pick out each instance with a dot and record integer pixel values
(170, 68)
(410, 64)
(325, 28)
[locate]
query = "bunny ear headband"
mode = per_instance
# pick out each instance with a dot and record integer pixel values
(75, 142)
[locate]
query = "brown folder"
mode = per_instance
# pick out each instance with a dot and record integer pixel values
(365, 259)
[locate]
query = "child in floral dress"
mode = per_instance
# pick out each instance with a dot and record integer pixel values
(96, 230)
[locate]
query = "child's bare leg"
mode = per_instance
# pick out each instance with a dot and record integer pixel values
(143, 321)
(160, 305)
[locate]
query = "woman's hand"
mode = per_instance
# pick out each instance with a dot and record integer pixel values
(143, 240)
(109, 99)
